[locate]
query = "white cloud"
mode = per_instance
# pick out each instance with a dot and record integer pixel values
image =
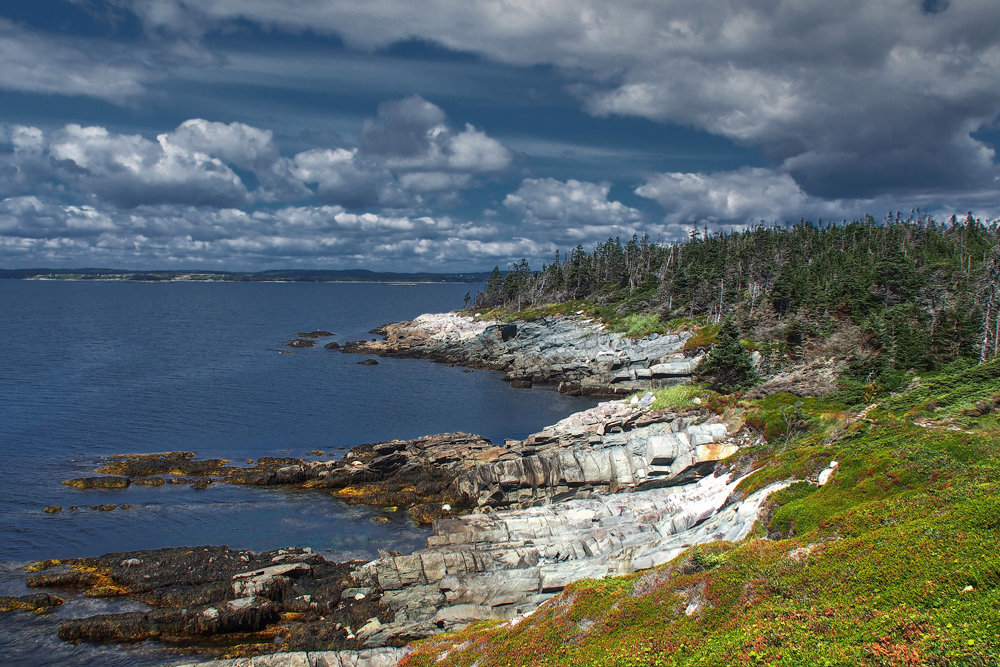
(410, 136)
(574, 211)
(245, 147)
(343, 179)
(742, 197)
(407, 152)
(237, 143)
(130, 170)
(407, 149)
(31, 62)
(36, 232)
(748, 196)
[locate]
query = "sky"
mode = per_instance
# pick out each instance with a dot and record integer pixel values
(456, 135)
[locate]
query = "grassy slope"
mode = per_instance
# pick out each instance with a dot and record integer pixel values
(893, 562)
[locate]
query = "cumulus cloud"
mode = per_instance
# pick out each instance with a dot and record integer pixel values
(855, 99)
(245, 147)
(343, 178)
(410, 136)
(35, 63)
(573, 211)
(130, 170)
(743, 197)
(407, 152)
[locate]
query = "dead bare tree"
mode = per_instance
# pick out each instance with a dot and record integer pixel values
(988, 298)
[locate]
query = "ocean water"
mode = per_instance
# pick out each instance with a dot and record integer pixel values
(88, 370)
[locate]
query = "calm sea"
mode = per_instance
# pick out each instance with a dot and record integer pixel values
(89, 370)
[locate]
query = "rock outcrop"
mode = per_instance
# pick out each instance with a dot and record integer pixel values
(386, 656)
(216, 596)
(503, 564)
(613, 447)
(415, 474)
(607, 491)
(573, 352)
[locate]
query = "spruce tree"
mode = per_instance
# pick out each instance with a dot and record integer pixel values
(728, 366)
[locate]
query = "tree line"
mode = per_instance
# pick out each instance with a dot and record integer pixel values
(925, 293)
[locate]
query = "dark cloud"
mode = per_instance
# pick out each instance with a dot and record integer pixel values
(406, 151)
(403, 129)
(855, 99)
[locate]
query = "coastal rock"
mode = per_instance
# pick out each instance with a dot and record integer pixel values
(176, 463)
(386, 656)
(501, 564)
(218, 592)
(575, 353)
(109, 482)
(547, 510)
(369, 362)
(612, 447)
(332, 346)
(315, 334)
(39, 603)
(301, 342)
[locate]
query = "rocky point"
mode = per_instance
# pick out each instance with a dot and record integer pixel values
(576, 353)
(613, 489)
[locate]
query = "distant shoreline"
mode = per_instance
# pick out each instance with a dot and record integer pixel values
(360, 276)
(388, 283)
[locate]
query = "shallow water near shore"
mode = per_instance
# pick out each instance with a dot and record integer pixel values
(88, 370)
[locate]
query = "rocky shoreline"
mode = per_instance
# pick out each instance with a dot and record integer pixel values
(575, 353)
(610, 490)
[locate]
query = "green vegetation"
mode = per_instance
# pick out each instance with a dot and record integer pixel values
(728, 366)
(892, 562)
(909, 293)
(676, 397)
(638, 325)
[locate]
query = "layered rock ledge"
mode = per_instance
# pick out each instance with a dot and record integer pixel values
(576, 353)
(504, 564)
(610, 490)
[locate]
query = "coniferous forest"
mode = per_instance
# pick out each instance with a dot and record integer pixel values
(904, 293)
